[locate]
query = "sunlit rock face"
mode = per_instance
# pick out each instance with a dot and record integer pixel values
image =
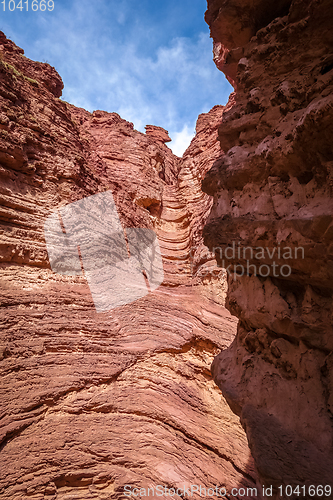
(272, 191)
(92, 402)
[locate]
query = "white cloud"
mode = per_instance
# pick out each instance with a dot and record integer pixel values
(108, 66)
(181, 140)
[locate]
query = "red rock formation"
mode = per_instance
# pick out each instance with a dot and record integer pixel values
(157, 133)
(273, 189)
(92, 402)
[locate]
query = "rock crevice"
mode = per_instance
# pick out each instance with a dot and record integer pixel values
(91, 402)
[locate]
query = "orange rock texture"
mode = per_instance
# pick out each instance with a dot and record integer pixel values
(93, 402)
(272, 190)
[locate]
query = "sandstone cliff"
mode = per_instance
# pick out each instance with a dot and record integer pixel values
(272, 190)
(91, 402)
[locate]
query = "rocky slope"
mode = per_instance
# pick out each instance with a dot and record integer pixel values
(91, 402)
(272, 190)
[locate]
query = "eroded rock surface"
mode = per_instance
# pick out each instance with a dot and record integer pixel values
(92, 402)
(273, 189)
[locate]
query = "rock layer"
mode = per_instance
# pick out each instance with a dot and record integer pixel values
(92, 402)
(272, 190)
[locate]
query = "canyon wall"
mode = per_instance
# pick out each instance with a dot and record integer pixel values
(91, 402)
(272, 191)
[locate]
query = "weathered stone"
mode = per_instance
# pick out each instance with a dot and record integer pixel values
(92, 402)
(273, 189)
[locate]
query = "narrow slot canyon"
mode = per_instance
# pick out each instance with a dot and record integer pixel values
(222, 377)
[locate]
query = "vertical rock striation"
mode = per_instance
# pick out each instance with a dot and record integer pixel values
(93, 402)
(272, 190)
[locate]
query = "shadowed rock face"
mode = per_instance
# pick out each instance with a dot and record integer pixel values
(92, 402)
(272, 190)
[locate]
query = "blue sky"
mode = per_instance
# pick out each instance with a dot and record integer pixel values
(148, 60)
